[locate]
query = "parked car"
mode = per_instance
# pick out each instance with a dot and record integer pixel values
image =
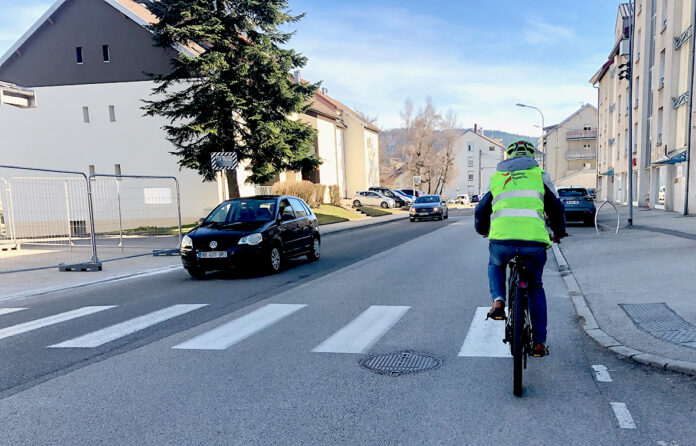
(428, 206)
(475, 199)
(400, 202)
(406, 198)
(593, 192)
(579, 205)
(263, 230)
(409, 193)
(463, 199)
(372, 198)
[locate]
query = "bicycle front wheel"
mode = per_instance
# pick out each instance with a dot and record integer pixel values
(517, 342)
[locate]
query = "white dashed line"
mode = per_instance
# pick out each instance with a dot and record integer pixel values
(623, 416)
(10, 310)
(601, 373)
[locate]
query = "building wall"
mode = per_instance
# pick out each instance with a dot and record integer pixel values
(48, 58)
(371, 158)
(558, 145)
(356, 174)
(55, 136)
(473, 156)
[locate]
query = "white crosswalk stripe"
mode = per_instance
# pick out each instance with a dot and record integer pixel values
(51, 320)
(10, 310)
(241, 328)
(362, 332)
(485, 337)
(108, 334)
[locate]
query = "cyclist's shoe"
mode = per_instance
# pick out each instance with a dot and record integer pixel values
(497, 312)
(540, 350)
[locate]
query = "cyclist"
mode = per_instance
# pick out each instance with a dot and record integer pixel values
(511, 215)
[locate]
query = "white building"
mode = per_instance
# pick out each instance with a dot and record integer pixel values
(476, 162)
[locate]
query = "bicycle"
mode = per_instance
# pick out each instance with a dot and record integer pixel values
(518, 326)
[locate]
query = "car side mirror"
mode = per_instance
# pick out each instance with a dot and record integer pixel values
(201, 220)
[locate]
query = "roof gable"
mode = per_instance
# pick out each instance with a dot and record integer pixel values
(484, 137)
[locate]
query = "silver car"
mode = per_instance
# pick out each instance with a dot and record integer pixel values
(372, 198)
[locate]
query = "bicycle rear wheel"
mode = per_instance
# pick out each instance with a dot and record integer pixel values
(517, 312)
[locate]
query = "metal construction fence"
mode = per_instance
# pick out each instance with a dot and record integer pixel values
(65, 219)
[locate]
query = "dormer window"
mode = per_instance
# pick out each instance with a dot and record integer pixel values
(78, 54)
(105, 53)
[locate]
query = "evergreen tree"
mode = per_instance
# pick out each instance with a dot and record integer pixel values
(237, 95)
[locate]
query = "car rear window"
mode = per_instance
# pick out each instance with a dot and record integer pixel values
(572, 192)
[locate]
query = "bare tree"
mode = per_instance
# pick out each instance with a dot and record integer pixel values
(372, 119)
(449, 134)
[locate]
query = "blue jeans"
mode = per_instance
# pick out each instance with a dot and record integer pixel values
(501, 254)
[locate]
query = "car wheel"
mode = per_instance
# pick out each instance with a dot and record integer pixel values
(439, 218)
(384, 205)
(446, 215)
(315, 253)
(274, 260)
(196, 273)
(356, 203)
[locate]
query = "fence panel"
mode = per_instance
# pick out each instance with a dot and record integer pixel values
(45, 220)
(136, 215)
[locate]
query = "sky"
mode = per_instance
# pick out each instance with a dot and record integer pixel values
(477, 58)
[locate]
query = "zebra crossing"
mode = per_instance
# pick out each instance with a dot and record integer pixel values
(483, 339)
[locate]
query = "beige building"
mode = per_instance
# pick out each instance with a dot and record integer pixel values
(660, 102)
(571, 149)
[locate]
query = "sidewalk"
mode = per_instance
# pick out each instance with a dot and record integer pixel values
(32, 283)
(638, 286)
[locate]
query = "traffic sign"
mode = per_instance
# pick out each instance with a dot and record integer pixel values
(416, 180)
(223, 160)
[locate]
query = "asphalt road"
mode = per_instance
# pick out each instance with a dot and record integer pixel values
(275, 367)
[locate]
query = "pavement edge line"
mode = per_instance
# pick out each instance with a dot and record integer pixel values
(592, 329)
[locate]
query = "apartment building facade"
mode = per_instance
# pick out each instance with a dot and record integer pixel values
(571, 149)
(661, 126)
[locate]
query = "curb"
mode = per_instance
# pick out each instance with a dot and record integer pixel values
(368, 225)
(589, 324)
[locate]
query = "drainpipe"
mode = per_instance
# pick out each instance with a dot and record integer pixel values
(597, 142)
(629, 197)
(691, 109)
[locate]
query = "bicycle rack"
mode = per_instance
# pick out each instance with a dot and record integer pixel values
(618, 217)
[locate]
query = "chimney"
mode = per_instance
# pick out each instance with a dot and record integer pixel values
(324, 91)
(298, 76)
(475, 128)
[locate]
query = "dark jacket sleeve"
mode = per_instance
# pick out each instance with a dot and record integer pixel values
(482, 214)
(555, 211)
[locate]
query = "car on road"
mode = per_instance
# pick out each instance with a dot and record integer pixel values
(579, 204)
(398, 199)
(428, 206)
(475, 198)
(264, 231)
(372, 198)
(406, 198)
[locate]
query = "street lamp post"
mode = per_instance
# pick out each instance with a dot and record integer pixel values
(543, 147)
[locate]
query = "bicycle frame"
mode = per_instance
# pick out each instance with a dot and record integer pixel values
(518, 328)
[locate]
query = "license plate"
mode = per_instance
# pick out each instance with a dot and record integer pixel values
(573, 202)
(212, 254)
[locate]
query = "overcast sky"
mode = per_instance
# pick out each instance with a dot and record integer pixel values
(476, 57)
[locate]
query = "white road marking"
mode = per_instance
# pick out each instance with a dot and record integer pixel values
(601, 373)
(485, 337)
(51, 320)
(623, 416)
(241, 328)
(108, 334)
(9, 310)
(362, 332)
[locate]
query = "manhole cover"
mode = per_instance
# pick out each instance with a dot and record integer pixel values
(401, 363)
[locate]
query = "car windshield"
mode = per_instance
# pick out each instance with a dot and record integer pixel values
(572, 192)
(243, 210)
(428, 199)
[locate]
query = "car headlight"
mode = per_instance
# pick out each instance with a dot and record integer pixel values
(186, 242)
(436, 209)
(251, 239)
(412, 211)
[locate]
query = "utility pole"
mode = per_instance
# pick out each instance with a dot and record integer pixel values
(691, 111)
(480, 170)
(627, 73)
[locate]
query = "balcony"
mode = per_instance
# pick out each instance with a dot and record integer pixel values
(581, 154)
(581, 134)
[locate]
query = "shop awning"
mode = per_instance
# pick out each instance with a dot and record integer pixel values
(678, 158)
(608, 172)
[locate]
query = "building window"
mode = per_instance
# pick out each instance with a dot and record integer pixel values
(78, 54)
(85, 115)
(470, 147)
(636, 91)
(491, 149)
(635, 138)
(470, 161)
(587, 127)
(659, 126)
(626, 143)
(471, 175)
(105, 53)
(662, 70)
(112, 113)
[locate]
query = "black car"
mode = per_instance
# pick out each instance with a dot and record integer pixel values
(262, 230)
(428, 206)
(390, 194)
(475, 199)
(579, 204)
